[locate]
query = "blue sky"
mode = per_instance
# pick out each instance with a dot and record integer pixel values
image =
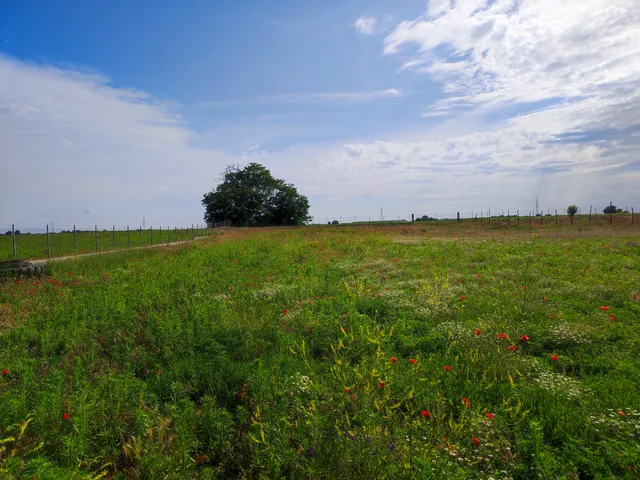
(119, 110)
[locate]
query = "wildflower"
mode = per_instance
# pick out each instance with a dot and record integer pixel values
(380, 384)
(466, 402)
(447, 368)
(285, 311)
(475, 441)
(393, 359)
(425, 414)
(512, 348)
(545, 299)
(503, 336)
(603, 308)
(478, 332)
(621, 413)
(347, 390)
(524, 338)
(345, 315)
(462, 298)
(612, 317)
(550, 316)
(159, 372)
(352, 397)
(412, 361)
(5, 371)
(66, 416)
(489, 415)
(554, 358)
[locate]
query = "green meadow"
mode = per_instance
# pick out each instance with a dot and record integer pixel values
(418, 351)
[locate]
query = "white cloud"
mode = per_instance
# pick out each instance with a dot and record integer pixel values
(365, 25)
(525, 50)
(311, 97)
(70, 139)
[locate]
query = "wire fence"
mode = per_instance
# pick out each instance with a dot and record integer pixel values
(35, 243)
(509, 215)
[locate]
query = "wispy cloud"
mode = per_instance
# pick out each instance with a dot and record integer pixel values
(365, 25)
(309, 98)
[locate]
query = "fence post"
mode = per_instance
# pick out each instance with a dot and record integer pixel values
(489, 216)
(458, 217)
(13, 239)
(632, 216)
(160, 233)
(151, 234)
(413, 220)
(141, 243)
(128, 237)
(48, 243)
(590, 207)
(75, 240)
(556, 216)
(114, 236)
(610, 213)
(96, 230)
(193, 235)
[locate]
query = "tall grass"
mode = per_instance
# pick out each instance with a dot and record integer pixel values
(307, 353)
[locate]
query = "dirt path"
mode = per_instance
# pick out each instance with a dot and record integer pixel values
(42, 261)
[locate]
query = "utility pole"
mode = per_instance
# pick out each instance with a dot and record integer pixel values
(536, 206)
(144, 224)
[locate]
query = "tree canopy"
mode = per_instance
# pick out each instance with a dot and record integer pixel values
(251, 196)
(610, 209)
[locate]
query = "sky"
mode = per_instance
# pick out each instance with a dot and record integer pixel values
(111, 112)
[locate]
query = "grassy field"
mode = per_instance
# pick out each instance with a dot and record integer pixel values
(452, 351)
(62, 244)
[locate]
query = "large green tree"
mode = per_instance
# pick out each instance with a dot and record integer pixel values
(251, 196)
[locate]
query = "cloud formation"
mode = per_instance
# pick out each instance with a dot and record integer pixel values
(365, 25)
(311, 97)
(69, 139)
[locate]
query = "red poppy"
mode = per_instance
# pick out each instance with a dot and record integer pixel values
(425, 413)
(503, 336)
(612, 317)
(554, 358)
(550, 316)
(159, 372)
(466, 402)
(475, 441)
(66, 416)
(512, 348)
(462, 298)
(603, 308)
(621, 413)
(489, 415)
(347, 390)
(447, 368)
(352, 397)
(478, 332)
(285, 311)
(380, 384)
(412, 361)
(524, 338)
(393, 359)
